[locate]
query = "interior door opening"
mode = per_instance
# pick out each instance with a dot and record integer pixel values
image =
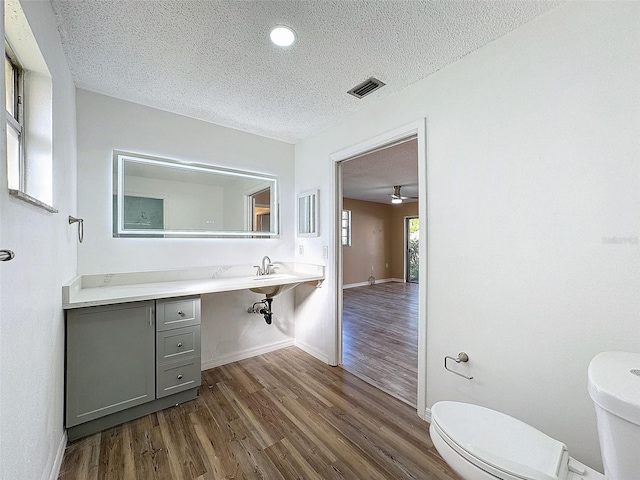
(380, 294)
(418, 130)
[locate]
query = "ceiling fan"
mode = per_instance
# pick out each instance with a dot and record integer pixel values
(396, 196)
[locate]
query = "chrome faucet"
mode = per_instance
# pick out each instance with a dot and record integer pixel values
(266, 265)
(265, 269)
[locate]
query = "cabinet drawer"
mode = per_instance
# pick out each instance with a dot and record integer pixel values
(178, 376)
(177, 312)
(177, 344)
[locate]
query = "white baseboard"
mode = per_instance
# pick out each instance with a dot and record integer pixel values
(427, 415)
(312, 351)
(364, 284)
(57, 463)
(248, 353)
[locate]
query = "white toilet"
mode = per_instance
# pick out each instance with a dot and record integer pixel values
(482, 444)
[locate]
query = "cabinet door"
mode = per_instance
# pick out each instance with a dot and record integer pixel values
(110, 360)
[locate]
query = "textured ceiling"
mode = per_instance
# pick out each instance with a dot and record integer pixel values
(212, 60)
(371, 177)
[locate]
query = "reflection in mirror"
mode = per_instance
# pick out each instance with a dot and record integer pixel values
(261, 210)
(308, 214)
(157, 197)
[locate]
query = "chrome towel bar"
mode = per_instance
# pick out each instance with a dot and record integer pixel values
(462, 358)
(80, 223)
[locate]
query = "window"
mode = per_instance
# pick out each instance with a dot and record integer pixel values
(13, 75)
(346, 228)
(29, 112)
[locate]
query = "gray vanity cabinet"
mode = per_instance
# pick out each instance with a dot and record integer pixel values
(110, 360)
(128, 360)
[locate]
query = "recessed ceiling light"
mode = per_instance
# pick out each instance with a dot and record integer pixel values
(282, 36)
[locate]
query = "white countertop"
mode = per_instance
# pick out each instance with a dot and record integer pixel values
(107, 289)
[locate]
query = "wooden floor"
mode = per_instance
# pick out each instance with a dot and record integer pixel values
(282, 415)
(380, 337)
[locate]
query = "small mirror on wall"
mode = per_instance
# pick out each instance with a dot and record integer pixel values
(308, 214)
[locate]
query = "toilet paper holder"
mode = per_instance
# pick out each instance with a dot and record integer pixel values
(461, 358)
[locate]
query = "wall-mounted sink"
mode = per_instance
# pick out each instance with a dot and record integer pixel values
(272, 290)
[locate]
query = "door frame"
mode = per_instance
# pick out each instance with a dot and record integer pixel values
(417, 129)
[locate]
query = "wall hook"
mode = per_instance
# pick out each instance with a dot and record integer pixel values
(6, 255)
(461, 358)
(80, 223)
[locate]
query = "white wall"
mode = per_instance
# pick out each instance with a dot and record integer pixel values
(229, 333)
(106, 124)
(533, 165)
(31, 319)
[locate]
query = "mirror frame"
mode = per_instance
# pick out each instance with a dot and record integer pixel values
(313, 212)
(119, 158)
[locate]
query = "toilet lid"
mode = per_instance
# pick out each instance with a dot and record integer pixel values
(498, 443)
(614, 383)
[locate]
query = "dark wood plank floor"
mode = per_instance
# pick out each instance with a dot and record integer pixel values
(380, 337)
(282, 415)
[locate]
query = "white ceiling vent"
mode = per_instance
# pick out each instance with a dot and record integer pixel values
(366, 87)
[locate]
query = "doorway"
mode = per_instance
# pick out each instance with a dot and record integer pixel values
(380, 308)
(417, 129)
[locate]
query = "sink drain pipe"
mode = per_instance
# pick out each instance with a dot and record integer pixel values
(263, 307)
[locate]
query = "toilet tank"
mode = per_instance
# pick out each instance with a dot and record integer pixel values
(614, 387)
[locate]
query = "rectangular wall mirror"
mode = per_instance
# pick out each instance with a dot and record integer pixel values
(156, 197)
(308, 214)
